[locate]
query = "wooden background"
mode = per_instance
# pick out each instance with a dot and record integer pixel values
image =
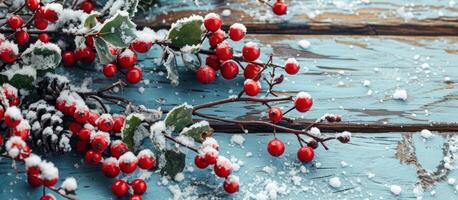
(408, 44)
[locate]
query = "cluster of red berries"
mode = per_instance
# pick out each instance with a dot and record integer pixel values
(276, 148)
(120, 188)
(222, 166)
(11, 114)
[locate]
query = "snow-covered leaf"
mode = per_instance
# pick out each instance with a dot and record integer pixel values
(198, 131)
(103, 52)
(20, 78)
(130, 125)
(42, 56)
(191, 61)
(179, 117)
(187, 31)
(91, 20)
(119, 30)
(129, 6)
(171, 66)
(175, 163)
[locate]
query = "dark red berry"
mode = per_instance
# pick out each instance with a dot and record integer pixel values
(276, 147)
(87, 6)
(40, 23)
(275, 114)
(134, 75)
(68, 58)
(15, 22)
(216, 38)
(205, 74)
(141, 46)
(305, 154)
(224, 51)
(252, 71)
(212, 22)
(213, 62)
(22, 37)
(229, 69)
(139, 186)
(109, 70)
(33, 4)
(43, 37)
(120, 188)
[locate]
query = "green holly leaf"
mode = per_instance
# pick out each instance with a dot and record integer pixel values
(179, 117)
(103, 52)
(23, 78)
(42, 56)
(187, 32)
(175, 163)
(198, 131)
(91, 20)
(119, 30)
(130, 125)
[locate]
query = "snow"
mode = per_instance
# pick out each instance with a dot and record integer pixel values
(425, 133)
(55, 7)
(315, 131)
(179, 23)
(238, 26)
(7, 45)
(210, 142)
(224, 162)
(157, 136)
(292, 60)
(208, 150)
(14, 113)
(179, 177)
(451, 181)
(186, 140)
(127, 157)
(211, 16)
(366, 83)
(69, 184)
(145, 152)
(127, 53)
(13, 144)
(335, 182)
(400, 94)
(304, 44)
(146, 35)
(237, 139)
(48, 170)
(226, 12)
(26, 70)
(111, 160)
(303, 95)
(32, 161)
(250, 44)
(395, 189)
(39, 61)
(195, 125)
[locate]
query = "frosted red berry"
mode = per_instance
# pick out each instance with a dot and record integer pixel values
(200, 162)
(15, 22)
(81, 115)
(92, 157)
(146, 162)
(212, 22)
(50, 15)
(87, 6)
(213, 62)
(110, 169)
(141, 46)
(127, 59)
(22, 37)
(40, 23)
(7, 55)
(120, 188)
(85, 54)
(237, 32)
(118, 123)
(275, 114)
(99, 143)
(276, 147)
(205, 74)
(224, 51)
(12, 121)
(139, 186)
(134, 75)
(118, 148)
(251, 87)
(252, 71)
(135, 197)
(68, 58)
(305, 154)
(230, 185)
(93, 117)
(32, 4)
(279, 8)
(211, 157)
(128, 167)
(84, 134)
(251, 51)
(216, 38)
(291, 66)
(109, 70)
(43, 37)
(222, 170)
(229, 69)
(303, 102)
(47, 197)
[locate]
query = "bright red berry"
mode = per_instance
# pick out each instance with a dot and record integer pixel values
(40, 12)
(15, 22)
(120, 188)
(251, 87)
(276, 147)
(127, 59)
(47, 197)
(141, 46)
(200, 162)
(110, 168)
(23, 133)
(118, 148)
(22, 37)
(229, 69)
(216, 38)
(13, 117)
(128, 162)
(81, 115)
(211, 155)
(213, 62)
(291, 66)
(99, 143)
(40, 23)
(139, 186)
(7, 55)
(89, 41)
(118, 123)
(70, 109)
(279, 8)
(33, 176)
(109, 70)
(75, 128)
(212, 22)
(87, 6)
(237, 31)
(50, 182)
(305, 154)
(303, 102)
(33, 4)
(223, 167)
(146, 159)
(85, 54)
(205, 74)
(224, 51)
(251, 51)
(43, 37)
(135, 197)
(105, 122)
(93, 117)
(275, 114)
(252, 71)
(50, 15)
(134, 75)
(68, 58)
(84, 134)
(231, 184)
(92, 157)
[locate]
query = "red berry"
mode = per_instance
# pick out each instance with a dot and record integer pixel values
(40, 23)
(134, 75)
(205, 74)
(127, 59)
(118, 148)
(105, 122)
(251, 51)
(275, 114)
(12, 121)
(2, 112)
(113, 51)
(303, 102)
(15, 22)
(23, 133)
(211, 156)
(305, 154)
(74, 128)
(84, 134)
(216, 38)
(291, 66)
(231, 185)
(128, 162)
(237, 32)
(135, 197)
(229, 69)
(47, 197)
(89, 41)
(50, 182)
(118, 123)
(43, 37)
(110, 169)
(68, 58)
(200, 162)
(33, 4)
(252, 71)
(81, 115)
(1, 140)
(87, 6)
(224, 51)
(85, 54)
(50, 15)
(251, 87)
(7, 55)
(40, 12)
(213, 62)
(22, 37)
(92, 157)
(212, 22)
(276, 147)
(279, 8)
(99, 143)
(109, 70)
(223, 167)
(120, 188)
(33, 176)
(141, 46)
(146, 161)
(93, 117)
(139, 186)
(70, 109)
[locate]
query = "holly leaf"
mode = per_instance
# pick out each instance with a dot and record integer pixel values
(129, 6)
(187, 31)
(198, 131)
(175, 163)
(91, 20)
(170, 65)
(128, 132)
(179, 117)
(42, 56)
(103, 52)
(119, 30)
(23, 78)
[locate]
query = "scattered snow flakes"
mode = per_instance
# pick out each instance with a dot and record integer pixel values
(400, 94)
(179, 177)
(335, 182)
(69, 184)
(395, 189)
(451, 181)
(304, 44)
(343, 164)
(425, 133)
(226, 12)
(237, 139)
(366, 83)
(370, 175)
